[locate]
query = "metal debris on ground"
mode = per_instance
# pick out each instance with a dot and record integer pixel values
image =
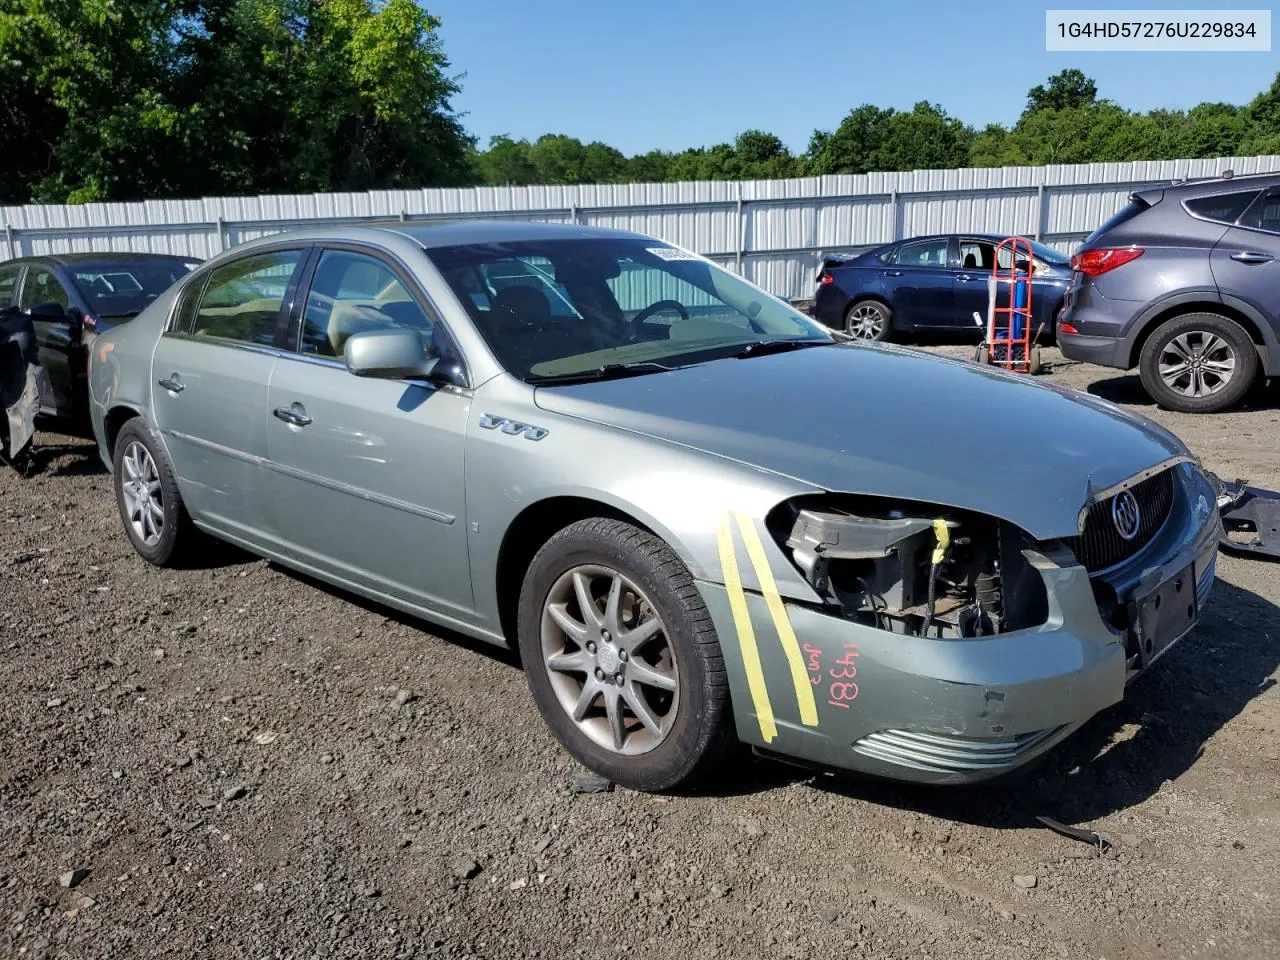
(1106, 847)
(1246, 509)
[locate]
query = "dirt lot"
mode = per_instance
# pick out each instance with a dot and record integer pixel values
(229, 755)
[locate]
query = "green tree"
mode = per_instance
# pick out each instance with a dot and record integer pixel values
(1262, 135)
(651, 167)
(852, 145)
(925, 138)
(1065, 90)
(506, 162)
(252, 96)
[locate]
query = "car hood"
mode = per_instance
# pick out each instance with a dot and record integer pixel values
(890, 421)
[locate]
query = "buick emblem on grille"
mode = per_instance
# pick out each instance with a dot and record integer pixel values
(1125, 514)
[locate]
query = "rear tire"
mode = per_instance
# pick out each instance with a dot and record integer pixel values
(869, 320)
(1198, 363)
(151, 508)
(592, 685)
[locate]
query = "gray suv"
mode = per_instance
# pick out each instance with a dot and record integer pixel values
(1183, 283)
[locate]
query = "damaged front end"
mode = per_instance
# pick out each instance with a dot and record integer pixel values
(946, 645)
(913, 569)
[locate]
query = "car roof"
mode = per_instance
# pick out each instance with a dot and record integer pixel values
(1214, 185)
(466, 232)
(106, 256)
(964, 234)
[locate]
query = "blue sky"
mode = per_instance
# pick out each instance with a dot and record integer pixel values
(640, 74)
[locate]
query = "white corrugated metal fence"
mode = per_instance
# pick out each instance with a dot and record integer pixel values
(770, 230)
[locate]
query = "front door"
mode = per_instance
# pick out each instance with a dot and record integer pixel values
(919, 282)
(56, 335)
(210, 377)
(366, 478)
(1246, 261)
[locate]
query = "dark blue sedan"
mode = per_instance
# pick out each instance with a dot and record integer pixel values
(930, 284)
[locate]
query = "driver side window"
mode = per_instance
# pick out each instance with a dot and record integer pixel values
(354, 292)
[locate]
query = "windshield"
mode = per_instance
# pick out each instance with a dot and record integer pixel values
(123, 288)
(549, 308)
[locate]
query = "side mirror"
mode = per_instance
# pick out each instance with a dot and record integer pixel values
(47, 311)
(389, 355)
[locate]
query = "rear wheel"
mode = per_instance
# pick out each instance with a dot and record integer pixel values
(622, 657)
(1198, 363)
(868, 320)
(151, 507)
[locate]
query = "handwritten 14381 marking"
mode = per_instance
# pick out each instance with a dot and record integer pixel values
(841, 685)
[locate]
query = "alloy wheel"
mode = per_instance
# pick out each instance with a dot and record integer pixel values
(865, 322)
(143, 497)
(1197, 363)
(610, 660)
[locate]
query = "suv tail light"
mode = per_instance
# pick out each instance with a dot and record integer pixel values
(1095, 262)
(824, 278)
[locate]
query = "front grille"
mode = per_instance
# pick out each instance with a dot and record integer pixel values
(1101, 546)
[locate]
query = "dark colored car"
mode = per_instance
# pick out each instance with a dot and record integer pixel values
(929, 284)
(1184, 284)
(72, 297)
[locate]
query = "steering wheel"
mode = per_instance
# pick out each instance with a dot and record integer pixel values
(653, 308)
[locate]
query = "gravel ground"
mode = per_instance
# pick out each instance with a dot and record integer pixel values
(237, 762)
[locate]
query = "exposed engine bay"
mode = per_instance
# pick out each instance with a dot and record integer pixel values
(913, 570)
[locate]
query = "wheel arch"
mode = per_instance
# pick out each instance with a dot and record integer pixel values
(1230, 309)
(534, 526)
(114, 421)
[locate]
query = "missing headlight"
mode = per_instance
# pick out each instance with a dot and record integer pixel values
(911, 568)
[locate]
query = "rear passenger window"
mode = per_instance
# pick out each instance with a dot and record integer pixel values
(188, 301)
(353, 292)
(1223, 208)
(242, 299)
(925, 253)
(1265, 214)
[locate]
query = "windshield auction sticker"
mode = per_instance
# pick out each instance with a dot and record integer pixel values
(1137, 30)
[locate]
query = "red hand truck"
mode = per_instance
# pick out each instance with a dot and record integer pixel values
(1008, 341)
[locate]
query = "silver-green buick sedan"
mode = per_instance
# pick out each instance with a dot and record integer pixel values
(700, 517)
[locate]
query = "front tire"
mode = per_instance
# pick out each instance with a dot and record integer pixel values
(151, 507)
(868, 320)
(622, 657)
(1198, 363)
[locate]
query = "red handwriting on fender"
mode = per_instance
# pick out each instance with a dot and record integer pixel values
(813, 663)
(841, 687)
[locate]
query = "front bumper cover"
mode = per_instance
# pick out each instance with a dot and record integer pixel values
(810, 685)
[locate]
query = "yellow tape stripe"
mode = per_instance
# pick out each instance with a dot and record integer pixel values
(781, 622)
(746, 635)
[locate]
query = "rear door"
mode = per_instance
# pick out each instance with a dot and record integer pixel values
(366, 475)
(1246, 261)
(919, 281)
(8, 284)
(54, 334)
(210, 376)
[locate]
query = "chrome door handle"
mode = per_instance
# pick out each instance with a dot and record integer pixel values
(1250, 256)
(296, 418)
(966, 277)
(172, 383)
(893, 273)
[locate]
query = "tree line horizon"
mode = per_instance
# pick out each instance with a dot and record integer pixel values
(159, 99)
